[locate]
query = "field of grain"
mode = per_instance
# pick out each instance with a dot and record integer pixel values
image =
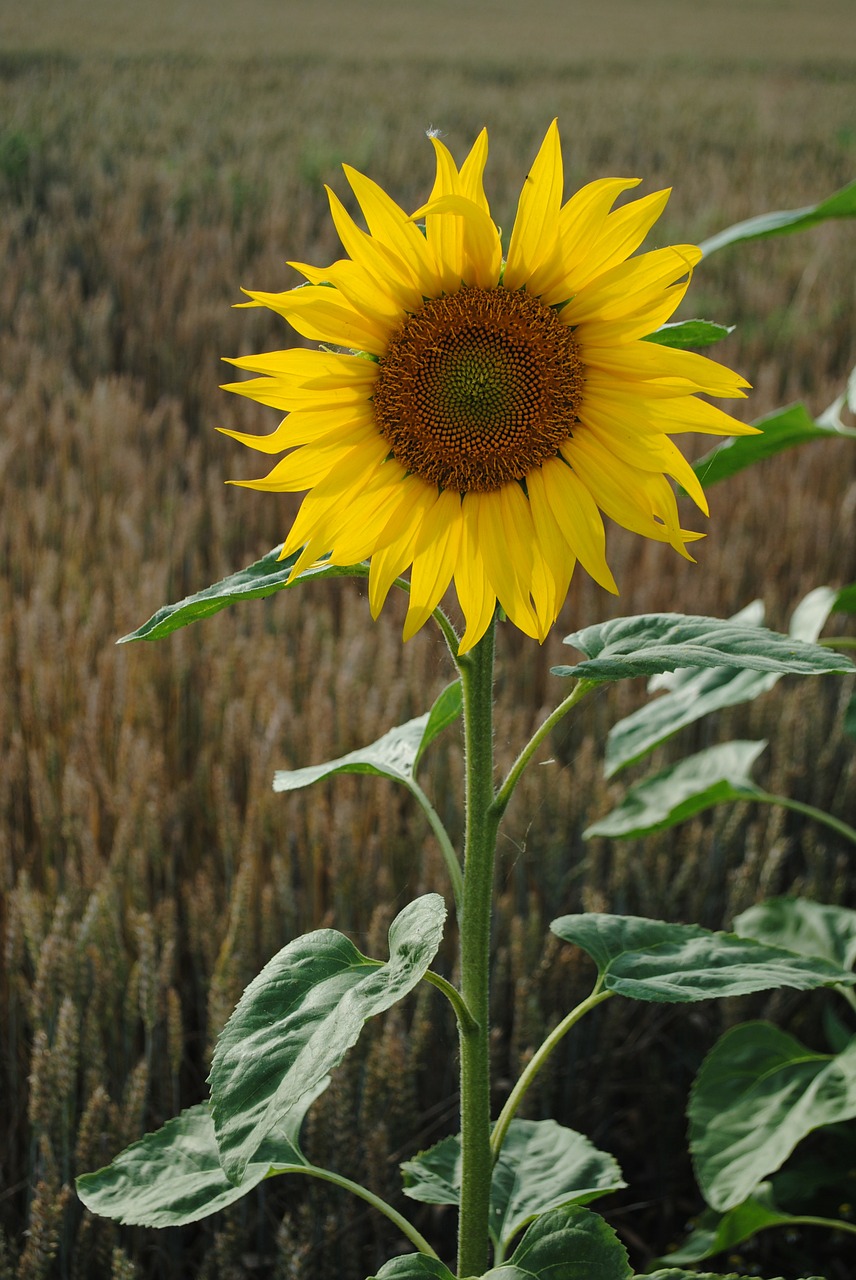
(147, 870)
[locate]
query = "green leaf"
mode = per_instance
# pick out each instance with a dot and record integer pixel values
(541, 1166)
(690, 333)
(680, 791)
(395, 755)
(298, 1018)
(655, 642)
(263, 578)
(174, 1176)
(759, 1092)
(808, 928)
(694, 694)
(413, 1266)
(714, 1232)
(566, 1244)
(676, 963)
(678, 1273)
(845, 600)
(842, 204)
(782, 429)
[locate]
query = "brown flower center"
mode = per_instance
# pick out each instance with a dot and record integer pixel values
(478, 387)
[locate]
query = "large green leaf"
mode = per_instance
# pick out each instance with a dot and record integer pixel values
(690, 333)
(714, 1232)
(759, 1092)
(395, 755)
(783, 429)
(693, 694)
(571, 1243)
(809, 928)
(263, 578)
(541, 1166)
(680, 791)
(298, 1018)
(842, 204)
(413, 1266)
(654, 642)
(174, 1176)
(676, 963)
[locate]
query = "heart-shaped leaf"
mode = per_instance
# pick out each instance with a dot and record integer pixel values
(759, 1092)
(541, 1166)
(174, 1176)
(263, 578)
(656, 642)
(566, 1244)
(677, 963)
(841, 204)
(396, 755)
(680, 791)
(298, 1018)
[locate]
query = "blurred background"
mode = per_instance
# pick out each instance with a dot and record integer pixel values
(153, 159)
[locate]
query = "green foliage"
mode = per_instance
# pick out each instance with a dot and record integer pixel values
(842, 204)
(174, 1176)
(694, 693)
(690, 333)
(298, 1018)
(658, 642)
(541, 1166)
(676, 963)
(809, 928)
(396, 755)
(714, 1232)
(262, 578)
(783, 429)
(682, 790)
(760, 1092)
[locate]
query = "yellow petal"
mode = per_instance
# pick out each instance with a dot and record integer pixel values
(622, 233)
(557, 494)
(631, 286)
(641, 501)
(508, 559)
(475, 594)
(482, 249)
(391, 226)
(434, 563)
(387, 267)
(472, 173)
(323, 315)
(536, 226)
(446, 234)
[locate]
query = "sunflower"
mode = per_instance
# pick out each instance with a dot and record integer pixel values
(472, 419)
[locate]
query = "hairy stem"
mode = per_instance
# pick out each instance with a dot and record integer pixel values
(475, 921)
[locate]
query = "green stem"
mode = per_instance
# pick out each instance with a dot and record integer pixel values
(834, 1224)
(536, 1062)
(482, 821)
(453, 995)
(838, 642)
(819, 815)
(505, 791)
(327, 1175)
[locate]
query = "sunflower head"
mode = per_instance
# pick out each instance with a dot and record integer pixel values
(471, 418)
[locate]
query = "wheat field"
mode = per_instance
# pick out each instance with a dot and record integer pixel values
(151, 162)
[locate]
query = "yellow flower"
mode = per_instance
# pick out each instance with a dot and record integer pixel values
(475, 416)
